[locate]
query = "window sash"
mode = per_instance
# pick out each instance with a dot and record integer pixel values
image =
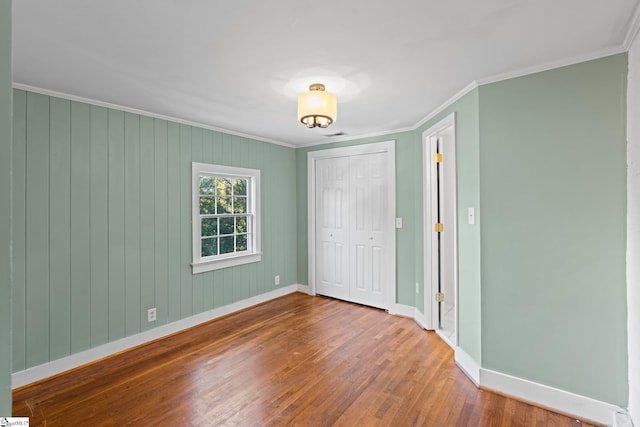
(235, 233)
(234, 193)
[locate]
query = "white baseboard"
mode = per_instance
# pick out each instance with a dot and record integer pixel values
(420, 318)
(402, 310)
(537, 394)
(304, 289)
(549, 397)
(622, 419)
(468, 365)
(54, 367)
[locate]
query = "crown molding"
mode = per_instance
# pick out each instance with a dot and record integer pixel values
(632, 28)
(144, 113)
(468, 88)
(494, 79)
(471, 86)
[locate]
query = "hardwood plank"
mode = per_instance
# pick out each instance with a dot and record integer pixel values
(297, 360)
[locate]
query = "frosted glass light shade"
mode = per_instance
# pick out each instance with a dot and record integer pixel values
(317, 108)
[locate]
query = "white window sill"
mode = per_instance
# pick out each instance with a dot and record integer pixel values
(217, 264)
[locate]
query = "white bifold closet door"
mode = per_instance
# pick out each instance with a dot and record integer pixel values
(352, 250)
(332, 233)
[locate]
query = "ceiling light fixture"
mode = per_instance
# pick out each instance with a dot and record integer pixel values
(317, 108)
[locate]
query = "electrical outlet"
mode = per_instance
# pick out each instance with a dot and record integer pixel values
(417, 288)
(277, 280)
(151, 315)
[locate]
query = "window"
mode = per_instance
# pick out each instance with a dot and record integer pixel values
(226, 216)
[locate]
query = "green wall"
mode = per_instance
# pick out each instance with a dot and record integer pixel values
(553, 196)
(408, 177)
(103, 224)
(5, 207)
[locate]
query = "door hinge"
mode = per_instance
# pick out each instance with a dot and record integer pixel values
(438, 227)
(439, 297)
(437, 158)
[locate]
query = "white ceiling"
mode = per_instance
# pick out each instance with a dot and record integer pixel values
(237, 65)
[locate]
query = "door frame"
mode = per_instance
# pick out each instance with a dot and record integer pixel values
(388, 147)
(431, 258)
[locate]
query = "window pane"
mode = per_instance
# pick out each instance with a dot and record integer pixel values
(239, 205)
(241, 243)
(224, 205)
(226, 244)
(224, 187)
(207, 184)
(240, 187)
(209, 227)
(226, 226)
(225, 222)
(209, 247)
(241, 224)
(207, 205)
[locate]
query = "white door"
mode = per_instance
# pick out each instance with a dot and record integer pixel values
(440, 224)
(443, 245)
(332, 232)
(354, 246)
(368, 214)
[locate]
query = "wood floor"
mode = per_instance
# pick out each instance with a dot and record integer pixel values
(297, 360)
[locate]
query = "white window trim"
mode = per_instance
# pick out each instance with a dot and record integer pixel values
(253, 175)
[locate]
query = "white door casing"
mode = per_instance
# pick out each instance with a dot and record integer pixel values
(444, 263)
(371, 220)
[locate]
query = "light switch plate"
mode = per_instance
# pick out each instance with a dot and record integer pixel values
(398, 222)
(472, 216)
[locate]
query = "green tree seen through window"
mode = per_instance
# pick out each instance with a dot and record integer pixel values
(224, 216)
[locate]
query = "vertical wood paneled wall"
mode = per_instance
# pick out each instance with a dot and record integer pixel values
(102, 224)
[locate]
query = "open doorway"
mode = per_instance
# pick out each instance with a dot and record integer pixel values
(440, 230)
